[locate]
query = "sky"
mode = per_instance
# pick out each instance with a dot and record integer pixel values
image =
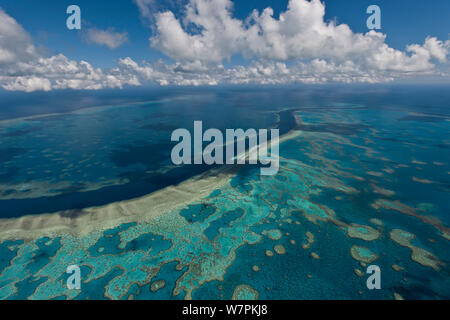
(209, 42)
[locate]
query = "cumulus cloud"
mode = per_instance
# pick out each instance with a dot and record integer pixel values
(297, 47)
(22, 68)
(300, 33)
(108, 38)
(28, 84)
(145, 7)
(220, 35)
(258, 72)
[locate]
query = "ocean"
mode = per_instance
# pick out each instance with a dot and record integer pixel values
(86, 179)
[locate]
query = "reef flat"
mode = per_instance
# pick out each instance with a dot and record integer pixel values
(84, 221)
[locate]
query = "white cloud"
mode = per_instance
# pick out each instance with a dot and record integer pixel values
(297, 47)
(269, 72)
(219, 39)
(15, 43)
(28, 84)
(108, 38)
(23, 69)
(300, 33)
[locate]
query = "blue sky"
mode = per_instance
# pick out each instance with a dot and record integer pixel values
(403, 22)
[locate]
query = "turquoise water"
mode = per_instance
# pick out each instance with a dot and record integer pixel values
(363, 166)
